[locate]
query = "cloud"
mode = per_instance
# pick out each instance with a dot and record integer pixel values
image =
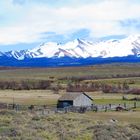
(14, 35)
(100, 18)
(134, 23)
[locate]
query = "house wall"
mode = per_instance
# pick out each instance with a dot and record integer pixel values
(82, 100)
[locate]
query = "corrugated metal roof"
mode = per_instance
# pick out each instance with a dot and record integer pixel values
(71, 96)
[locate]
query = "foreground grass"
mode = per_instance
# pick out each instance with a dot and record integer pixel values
(70, 126)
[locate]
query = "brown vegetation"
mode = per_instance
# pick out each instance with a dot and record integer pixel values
(25, 85)
(70, 126)
(98, 86)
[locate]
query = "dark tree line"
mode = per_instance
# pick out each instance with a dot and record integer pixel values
(135, 91)
(119, 88)
(106, 88)
(93, 77)
(97, 86)
(25, 85)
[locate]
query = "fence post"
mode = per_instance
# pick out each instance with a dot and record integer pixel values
(16, 106)
(135, 104)
(42, 111)
(125, 105)
(7, 106)
(105, 108)
(110, 106)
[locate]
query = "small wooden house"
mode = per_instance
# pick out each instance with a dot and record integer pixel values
(74, 99)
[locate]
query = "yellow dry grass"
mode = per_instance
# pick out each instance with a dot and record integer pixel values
(37, 97)
(46, 97)
(122, 117)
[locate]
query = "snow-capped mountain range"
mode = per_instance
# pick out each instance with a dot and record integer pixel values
(75, 53)
(81, 49)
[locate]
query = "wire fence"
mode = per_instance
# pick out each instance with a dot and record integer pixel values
(48, 110)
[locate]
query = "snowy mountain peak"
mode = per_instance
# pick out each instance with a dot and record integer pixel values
(134, 37)
(80, 48)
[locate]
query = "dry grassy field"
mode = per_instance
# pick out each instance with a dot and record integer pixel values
(70, 126)
(46, 97)
(25, 125)
(36, 97)
(45, 73)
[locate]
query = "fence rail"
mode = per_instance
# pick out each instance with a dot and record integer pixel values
(47, 110)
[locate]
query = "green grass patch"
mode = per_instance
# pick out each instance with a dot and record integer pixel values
(114, 101)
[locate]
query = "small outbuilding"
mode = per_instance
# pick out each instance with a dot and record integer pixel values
(75, 99)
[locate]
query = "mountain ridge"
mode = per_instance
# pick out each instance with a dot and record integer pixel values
(75, 53)
(80, 48)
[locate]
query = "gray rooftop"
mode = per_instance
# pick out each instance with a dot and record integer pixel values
(71, 96)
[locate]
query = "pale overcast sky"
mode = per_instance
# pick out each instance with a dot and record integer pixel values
(25, 23)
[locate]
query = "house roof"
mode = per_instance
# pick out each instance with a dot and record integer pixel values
(71, 96)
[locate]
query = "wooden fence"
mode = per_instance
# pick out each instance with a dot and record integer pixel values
(48, 110)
